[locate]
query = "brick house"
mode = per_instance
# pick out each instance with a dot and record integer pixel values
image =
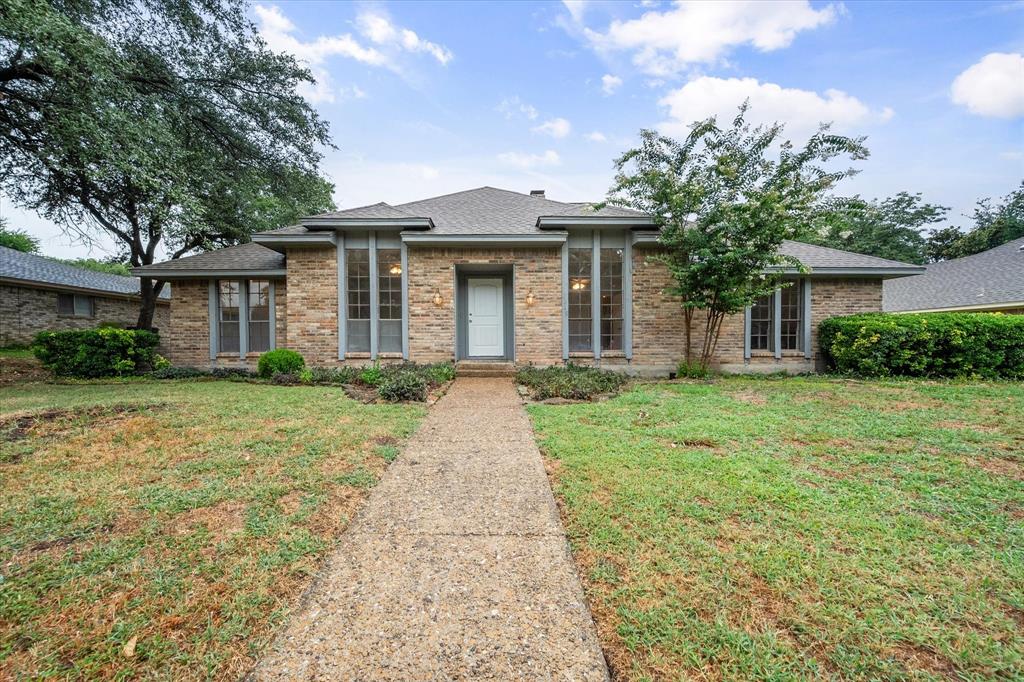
(486, 275)
(41, 294)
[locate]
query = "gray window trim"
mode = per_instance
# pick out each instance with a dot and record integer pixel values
(777, 322)
(342, 298)
(404, 251)
(374, 297)
(272, 302)
(565, 300)
(213, 312)
(627, 297)
(214, 319)
(595, 301)
(243, 318)
(807, 317)
(746, 333)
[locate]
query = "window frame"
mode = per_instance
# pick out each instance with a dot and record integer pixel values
(244, 321)
(789, 322)
(362, 304)
(581, 310)
(608, 306)
(90, 302)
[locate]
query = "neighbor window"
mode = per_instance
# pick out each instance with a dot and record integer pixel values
(259, 316)
(75, 305)
(611, 299)
(357, 268)
(389, 292)
(790, 321)
(228, 299)
(580, 311)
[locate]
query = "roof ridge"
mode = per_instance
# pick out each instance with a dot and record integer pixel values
(477, 189)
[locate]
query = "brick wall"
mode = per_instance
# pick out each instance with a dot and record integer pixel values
(188, 343)
(538, 328)
(312, 309)
(25, 311)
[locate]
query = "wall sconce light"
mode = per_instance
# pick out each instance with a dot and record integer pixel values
(438, 301)
(530, 300)
(396, 269)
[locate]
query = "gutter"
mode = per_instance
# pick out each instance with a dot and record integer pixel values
(207, 273)
(953, 309)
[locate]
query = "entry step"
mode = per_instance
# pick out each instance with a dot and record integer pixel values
(484, 368)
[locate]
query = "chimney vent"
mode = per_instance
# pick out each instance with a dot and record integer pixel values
(537, 193)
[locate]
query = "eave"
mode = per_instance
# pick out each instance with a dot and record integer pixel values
(281, 242)
(549, 222)
(209, 273)
(50, 286)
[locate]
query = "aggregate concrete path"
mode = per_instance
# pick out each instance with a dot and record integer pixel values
(456, 568)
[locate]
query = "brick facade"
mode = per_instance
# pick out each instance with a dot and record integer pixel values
(26, 311)
(307, 311)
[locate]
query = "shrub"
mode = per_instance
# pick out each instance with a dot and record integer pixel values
(91, 353)
(160, 362)
(230, 373)
(405, 384)
(286, 378)
(333, 375)
(280, 361)
(371, 375)
(439, 372)
(571, 381)
(988, 345)
(693, 370)
(178, 373)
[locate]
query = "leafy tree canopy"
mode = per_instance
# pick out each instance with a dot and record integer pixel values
(19, 240)
(888, 228)
(165, 123)
(725, 198)
(109, 266)
(995, 223)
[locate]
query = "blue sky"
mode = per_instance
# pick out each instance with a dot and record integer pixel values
(426, 98)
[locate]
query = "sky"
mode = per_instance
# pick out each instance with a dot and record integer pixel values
(427, 98)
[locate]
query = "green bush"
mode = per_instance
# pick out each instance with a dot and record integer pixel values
(439, 372)
(405, 384)
(693, 370)
(92, 353)
(571, 381)
(371, 375)
(988, 345)
(280, 361)
(178, 373)
(333, 375)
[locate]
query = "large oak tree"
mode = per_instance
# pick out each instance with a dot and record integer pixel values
(167, 124)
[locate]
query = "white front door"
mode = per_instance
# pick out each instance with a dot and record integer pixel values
(486, 318)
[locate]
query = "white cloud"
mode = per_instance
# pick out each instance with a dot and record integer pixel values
(665, 43)
(513, 107)
(576, 9)
(556, 127)
(800, 110)
(993, 87)
(277, 30)
(521, 160)
(380, 30)
(597, 136)
(323, 90)
(610, 83)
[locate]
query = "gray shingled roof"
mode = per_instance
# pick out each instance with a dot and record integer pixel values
(824, 257)
(29, 267)
(242, 257)
(992, 277)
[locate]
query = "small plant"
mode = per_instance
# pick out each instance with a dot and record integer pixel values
(230, 373)
(692, 370)
(439, 372)
(571, 382)
(170, 372)
(160, 362)
(403, 385)
(280, 361)
(371, 375)
(306, 375)
(286, 379)
(334, 375)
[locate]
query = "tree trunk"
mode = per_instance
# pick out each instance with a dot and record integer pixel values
(150, 291)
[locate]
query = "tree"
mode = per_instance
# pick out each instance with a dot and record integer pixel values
(19, 240)
(993, 225)
(107, 265)
(167, 124)
(724, 207)
(888, 228)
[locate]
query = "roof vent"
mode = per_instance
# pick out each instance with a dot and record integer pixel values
(537, 193)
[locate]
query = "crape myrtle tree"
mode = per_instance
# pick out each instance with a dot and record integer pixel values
(724, 199)
(162, 123)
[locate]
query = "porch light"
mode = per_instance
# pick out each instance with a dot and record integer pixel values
(579, 284)
(396, 269)
(530, 299)
(438, 301)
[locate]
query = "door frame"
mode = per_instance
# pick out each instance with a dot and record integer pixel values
(465, 272)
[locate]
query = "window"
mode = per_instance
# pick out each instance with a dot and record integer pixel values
(75, 305)
(357, 268)
(389, 292)
(228, 299)
(259, 316)
(762, 336)
(580, 289)
(611, 299)
(791, 322)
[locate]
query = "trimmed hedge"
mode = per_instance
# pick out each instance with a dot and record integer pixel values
(987, 345)
(93, 353)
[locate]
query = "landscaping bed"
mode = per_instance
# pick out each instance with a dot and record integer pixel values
(569, 383)
(798, 528)
(165, 529)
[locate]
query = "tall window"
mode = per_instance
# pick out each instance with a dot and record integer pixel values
(611, 299)
(580, 291)
(228, 316)
(389, 292)
(762, 335)
(791, 323)
(259, 316)
(357, 270)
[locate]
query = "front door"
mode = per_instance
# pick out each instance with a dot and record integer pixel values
(486, 321)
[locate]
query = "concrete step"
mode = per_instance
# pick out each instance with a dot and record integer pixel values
(480, 368)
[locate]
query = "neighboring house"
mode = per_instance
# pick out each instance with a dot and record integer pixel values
(39, 294)
(491, 275)
(990, 281)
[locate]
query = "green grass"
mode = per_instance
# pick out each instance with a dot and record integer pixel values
(802, 528)
(16, 353)
(186, 516)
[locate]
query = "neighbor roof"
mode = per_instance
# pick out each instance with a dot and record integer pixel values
(825, 258)
(32, 269)
(244, 258)
(990, 278)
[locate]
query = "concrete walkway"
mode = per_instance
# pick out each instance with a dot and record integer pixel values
(456, 568)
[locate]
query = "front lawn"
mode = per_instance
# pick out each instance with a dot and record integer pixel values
(798, 528)
(164, 529)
